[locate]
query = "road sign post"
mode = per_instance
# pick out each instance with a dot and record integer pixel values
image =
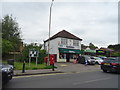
(33, 53)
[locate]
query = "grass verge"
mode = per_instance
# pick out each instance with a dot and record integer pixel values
(33, 66)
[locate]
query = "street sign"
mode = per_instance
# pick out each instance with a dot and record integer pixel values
(33, 53)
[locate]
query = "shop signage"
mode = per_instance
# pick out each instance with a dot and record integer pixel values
(69, 47)
(100, 51)
(71, 51)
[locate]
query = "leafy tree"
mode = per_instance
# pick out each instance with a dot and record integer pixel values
(10, 29)
(114, 47)
(117, 54)
(92, 46)
(25, 53)
(0, 38)
(7, 46)
(10, 35)
(83, 46)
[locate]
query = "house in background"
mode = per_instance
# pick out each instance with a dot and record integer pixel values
(64, 46)
(89, 51)
(104, 51)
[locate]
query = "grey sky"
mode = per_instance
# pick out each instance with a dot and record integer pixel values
(94, 22)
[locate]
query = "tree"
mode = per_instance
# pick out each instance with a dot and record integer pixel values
(92, 46)
(0, 38)
(114, 47)
(10, 35)
(83, 46)
(25, 53)
(7, 46)
(117, 54)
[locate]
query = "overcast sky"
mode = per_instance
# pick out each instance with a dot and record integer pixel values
(94, 22)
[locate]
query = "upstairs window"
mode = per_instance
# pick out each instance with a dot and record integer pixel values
(64, 41)
(75, 43)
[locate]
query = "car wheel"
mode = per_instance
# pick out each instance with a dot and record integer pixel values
(104, 70)
(10, 77)
(96, 63)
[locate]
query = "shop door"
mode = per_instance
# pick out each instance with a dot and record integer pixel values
(67, 57)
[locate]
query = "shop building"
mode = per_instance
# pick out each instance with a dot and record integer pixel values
(64, 46)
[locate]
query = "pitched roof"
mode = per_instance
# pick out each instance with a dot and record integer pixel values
(64, 34)
(106, 49)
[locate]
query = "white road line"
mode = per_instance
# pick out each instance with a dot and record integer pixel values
(77, 83)
(50, 74)
(97, 80)
(36, 75)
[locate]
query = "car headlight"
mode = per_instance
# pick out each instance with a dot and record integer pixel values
(101, 61)
(11, 66)
(5, 69)
(89, 60)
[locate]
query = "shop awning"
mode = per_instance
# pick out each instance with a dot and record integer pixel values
(90, 51)
(76, 51)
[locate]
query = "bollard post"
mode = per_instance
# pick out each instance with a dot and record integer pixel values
(53, 67)
(23, 69)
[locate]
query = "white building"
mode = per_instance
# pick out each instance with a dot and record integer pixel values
(64, 45)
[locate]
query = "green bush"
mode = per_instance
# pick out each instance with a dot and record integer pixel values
(50, 67)
(25, 54)
(117, 54)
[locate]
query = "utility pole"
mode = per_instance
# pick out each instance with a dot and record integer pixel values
(49, 32)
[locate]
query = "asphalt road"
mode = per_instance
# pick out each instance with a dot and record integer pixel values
(94, 79)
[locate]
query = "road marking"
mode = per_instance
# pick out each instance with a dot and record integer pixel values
(82, 72)
(37, 75)
(63, 65)
(52, 74)
(77, 83)
(97, 80)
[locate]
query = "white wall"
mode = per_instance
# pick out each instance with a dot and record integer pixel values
(53, 46)
(70, 43)
(56, 43)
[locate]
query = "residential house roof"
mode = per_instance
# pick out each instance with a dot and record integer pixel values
(64, 34)
(106, 49)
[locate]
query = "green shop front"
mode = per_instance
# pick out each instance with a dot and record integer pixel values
(68, 55)
(89, 52)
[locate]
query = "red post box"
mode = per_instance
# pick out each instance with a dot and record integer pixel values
(51, 59)
(45, 59)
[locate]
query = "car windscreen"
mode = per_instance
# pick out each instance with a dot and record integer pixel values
(97, 58)
(112, 61)
(116, 61)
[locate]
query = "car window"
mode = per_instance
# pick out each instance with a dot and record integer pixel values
(92, 58)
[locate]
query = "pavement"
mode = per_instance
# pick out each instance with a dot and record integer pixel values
(61, 68)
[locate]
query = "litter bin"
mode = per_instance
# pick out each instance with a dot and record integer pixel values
(10, 62)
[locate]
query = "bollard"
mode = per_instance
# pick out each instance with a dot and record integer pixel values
(23, 69)
(53, 67)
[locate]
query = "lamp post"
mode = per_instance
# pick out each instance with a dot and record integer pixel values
(49, 31)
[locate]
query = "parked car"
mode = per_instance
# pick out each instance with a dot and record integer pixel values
(81, 59)
(90, 59)
(103, 57)
(111, 65)
(98, 60)
(111, 58)
(7, 72)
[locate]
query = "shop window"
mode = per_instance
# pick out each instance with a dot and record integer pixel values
(71, 56)
(62, 56)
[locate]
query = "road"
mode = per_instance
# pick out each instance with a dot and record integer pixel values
(94, 79)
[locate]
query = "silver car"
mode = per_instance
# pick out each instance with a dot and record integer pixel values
(98, 60)
(89, 59)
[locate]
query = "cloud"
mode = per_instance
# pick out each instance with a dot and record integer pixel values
(94, 22)
(61, 0)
